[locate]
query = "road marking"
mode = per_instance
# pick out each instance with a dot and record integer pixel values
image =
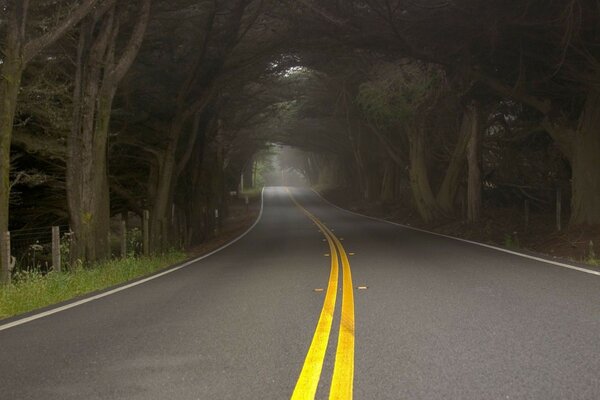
(136, 283)
(308, 381)
(343, 371)
(342, 383)
(489, 246)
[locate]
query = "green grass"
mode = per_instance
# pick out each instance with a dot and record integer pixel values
(593, 261)
(32, 290)
(511, 241)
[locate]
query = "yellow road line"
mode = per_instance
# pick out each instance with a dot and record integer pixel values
(306, 386)
(343, 371)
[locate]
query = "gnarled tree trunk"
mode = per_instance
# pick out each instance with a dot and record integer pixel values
(474, 164)
(163, 194)
(97, 79)
(419, 180)
(446, 195)
(16, 54)
(585, 164)
(10, 81)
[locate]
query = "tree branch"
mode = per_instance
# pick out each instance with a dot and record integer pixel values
(35, 46)
(135, 42)
(542, 105)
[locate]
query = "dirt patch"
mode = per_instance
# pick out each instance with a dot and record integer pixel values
(504, 227)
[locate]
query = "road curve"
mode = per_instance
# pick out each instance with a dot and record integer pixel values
(439, 319)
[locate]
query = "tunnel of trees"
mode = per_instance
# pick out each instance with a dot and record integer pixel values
(110, 107)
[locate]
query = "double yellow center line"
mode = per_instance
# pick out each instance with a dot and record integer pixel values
(343, 370)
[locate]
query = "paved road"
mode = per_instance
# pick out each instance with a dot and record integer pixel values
(441, 319)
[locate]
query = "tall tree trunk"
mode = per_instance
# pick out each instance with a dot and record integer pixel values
(17, 52)
(474, 165)
(164, 189)
(247, 174)
(97, 78)
(446, 195)
(580, 146)
(359, 162)
(388, 182)
(86, 164)
(11, 72)
(170, 169)
(10, 82)
(585, 164)
(419, 180)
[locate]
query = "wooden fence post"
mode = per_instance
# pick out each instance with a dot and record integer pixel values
(146, 233)
(123, 238)
(558, 210)
(5, 262)
(216, 221)
(56, 261)
(163, 235)
(526, 215)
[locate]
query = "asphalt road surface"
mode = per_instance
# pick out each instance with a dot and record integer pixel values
(277, 314)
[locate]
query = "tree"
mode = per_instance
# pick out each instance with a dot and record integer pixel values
(18, 49)
(100, 69)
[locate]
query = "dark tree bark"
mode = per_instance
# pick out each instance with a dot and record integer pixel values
(424, 199)
(585, 164)
(578, 140)
(446, 195)
(474, 163)
(189, 103)
(16, 54)
(99, 72)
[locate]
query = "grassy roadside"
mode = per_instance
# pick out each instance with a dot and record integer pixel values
(32, 290)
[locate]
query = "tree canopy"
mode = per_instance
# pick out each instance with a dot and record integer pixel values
(426, 102)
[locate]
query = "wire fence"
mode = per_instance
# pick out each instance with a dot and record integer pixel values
(32, 247)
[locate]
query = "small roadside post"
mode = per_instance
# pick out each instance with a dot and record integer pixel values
(5, 262)
(558, 209)
(123, 231)
(56, 262)
(216, 221)
(145, 233)
(526, 215)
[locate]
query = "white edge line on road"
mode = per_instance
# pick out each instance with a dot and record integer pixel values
(489, 246)
(136, 283)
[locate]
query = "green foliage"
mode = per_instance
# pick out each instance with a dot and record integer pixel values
(31, 290)
(591, 257)
(134, 242)
(511, 241)
(396, 93)
(265, 165)
(593, 261)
